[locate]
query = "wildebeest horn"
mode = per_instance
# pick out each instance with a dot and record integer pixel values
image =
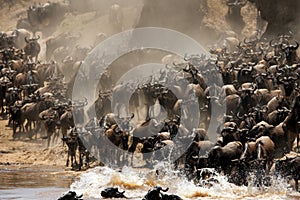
(26, 39)
(38, 37)
(212, 97)
(165, 190)
(132, 116)
(254, 86)
(296, 46)
(240, 117)
(248, 52)
(52, 116)
(241, 3)
(292, 78)
(282, 47)
(230, 4)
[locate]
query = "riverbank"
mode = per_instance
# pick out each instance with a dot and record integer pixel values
(27, 165)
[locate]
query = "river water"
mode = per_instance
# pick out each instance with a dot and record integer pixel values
(42, 182)
(33, 183)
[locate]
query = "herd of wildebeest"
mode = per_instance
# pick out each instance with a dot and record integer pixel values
(255, 80)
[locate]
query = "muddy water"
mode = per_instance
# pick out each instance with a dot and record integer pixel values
(38, 182)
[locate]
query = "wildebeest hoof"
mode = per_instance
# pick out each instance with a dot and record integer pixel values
(112, 192)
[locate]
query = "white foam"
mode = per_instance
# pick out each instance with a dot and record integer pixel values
(137, 182)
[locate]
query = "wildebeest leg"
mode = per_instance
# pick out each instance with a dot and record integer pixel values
(55, 136)
(296, 184)
(2, 106)
(297, 132)
(87, 159)
(297, 145)
(132, 148)
(64, 134)
(124, 158)
(37, 128)
(14, 130)
(68, 158)
(9, 121)
(80, 160)
(28, 129)
(75, 162)
(48, 138)
(260, 172)
(72, 160)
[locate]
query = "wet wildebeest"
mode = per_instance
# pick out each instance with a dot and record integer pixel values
(155, 194)
(289, 167)
(112, 192)
(71, 195)
(75, 144)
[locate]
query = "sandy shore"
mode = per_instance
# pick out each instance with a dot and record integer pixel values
(30, 152)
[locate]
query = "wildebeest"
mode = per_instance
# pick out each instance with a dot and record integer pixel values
(262, 149)
(45, 17)
(32, 48)
(223, 156)
(234, 17)
(4, 84)
(71, 195)
(289, 167)
(72, 143)
(112, 193)
(31, 111)
(16, 117)
(155, 194)
(19, 36)
(50, 119)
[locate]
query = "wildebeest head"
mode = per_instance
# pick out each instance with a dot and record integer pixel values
(30, 40)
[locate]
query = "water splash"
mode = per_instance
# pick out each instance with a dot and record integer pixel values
(137, 181)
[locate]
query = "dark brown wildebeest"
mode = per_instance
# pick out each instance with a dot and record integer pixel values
(289, 167)
(32, 48)
(50, 119)
(31, 111)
